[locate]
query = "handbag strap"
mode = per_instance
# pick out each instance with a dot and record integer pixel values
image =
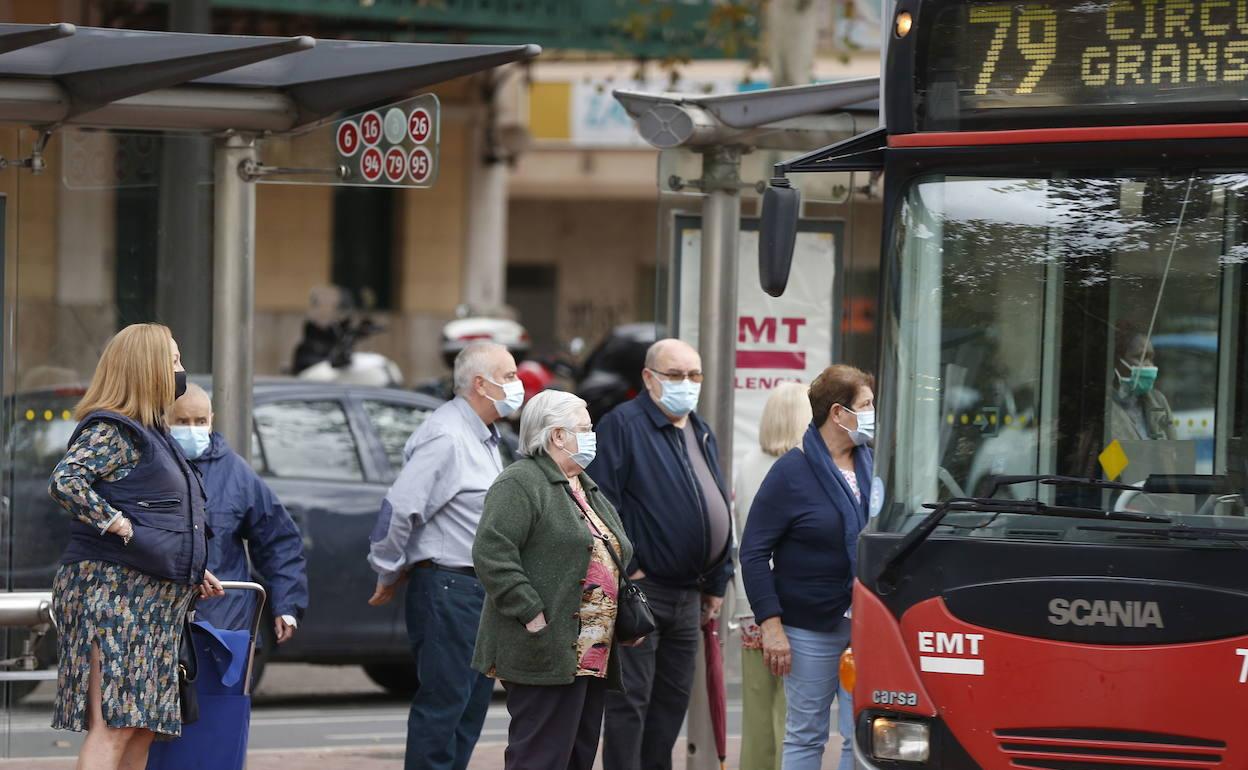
(624, 580)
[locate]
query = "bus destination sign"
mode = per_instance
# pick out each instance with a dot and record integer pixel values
(1052, 63)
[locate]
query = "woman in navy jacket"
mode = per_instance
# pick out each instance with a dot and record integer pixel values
(798, 556)
(136, 555)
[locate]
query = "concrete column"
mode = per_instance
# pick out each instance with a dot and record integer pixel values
(485, 253)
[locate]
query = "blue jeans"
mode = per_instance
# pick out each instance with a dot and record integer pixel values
(451, 700)
(810, 688)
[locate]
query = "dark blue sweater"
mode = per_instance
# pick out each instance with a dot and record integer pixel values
(645, 471)
(798, 550)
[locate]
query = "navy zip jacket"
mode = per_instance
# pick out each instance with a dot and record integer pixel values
(644, 469)
(799, 550)
(242, 509)
(164, 500)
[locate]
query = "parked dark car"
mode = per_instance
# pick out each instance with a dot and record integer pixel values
(329, 452)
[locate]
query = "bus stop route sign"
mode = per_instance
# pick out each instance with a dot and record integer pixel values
(395, 146)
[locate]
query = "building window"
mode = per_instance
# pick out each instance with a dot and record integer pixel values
(364, 244)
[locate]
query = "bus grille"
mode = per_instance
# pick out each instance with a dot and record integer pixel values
(1094, 749)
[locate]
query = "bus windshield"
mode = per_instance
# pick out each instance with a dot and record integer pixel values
(1074, 325)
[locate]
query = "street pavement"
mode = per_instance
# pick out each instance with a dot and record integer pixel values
(307, 718)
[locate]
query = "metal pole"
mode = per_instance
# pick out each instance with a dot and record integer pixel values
(717, 322)
(717, 340)
(234, 289)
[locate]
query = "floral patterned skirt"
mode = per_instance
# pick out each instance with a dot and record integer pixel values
(136, 621)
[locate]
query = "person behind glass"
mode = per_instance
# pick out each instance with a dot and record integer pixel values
(1137, 410)
(658, 463)
(784, 421)
(247, 520)
(546, 552)
(798, 556)
(135, 559)
(424, 532)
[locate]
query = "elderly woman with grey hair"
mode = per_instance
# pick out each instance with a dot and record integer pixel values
(547, 552)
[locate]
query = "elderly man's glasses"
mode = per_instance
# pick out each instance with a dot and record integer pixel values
(694, 376)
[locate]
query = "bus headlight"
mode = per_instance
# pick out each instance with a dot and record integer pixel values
(900, 740)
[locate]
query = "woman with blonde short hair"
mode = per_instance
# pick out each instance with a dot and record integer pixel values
(784, 420)
(135, 558)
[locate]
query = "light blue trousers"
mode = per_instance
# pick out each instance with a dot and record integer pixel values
(810, 688)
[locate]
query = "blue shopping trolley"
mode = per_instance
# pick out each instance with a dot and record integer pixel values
(218, 739)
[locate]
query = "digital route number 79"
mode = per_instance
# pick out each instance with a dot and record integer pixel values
(1035, 35)
(1243, 672)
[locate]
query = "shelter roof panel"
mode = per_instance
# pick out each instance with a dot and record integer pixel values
(98, 67)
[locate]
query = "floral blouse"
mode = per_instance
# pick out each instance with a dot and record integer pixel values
(598, 597)
(104, 451)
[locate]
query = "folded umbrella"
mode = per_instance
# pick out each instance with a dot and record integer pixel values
(715, 693)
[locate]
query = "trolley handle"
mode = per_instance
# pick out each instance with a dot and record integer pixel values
(257, 615)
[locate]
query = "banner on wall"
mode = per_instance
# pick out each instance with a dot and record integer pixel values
(779, 339)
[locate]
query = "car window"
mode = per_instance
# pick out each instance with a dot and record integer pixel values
(308, 439)
(257, 454)
(395, 423)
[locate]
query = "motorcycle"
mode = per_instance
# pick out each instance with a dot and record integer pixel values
(326, 353)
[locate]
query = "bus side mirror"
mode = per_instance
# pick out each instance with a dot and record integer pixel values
(781, 204)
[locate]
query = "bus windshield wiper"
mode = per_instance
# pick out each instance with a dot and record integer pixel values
(1177, 532)
(885, 578)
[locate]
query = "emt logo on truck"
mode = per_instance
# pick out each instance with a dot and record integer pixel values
(942, 653)
(1081, 612)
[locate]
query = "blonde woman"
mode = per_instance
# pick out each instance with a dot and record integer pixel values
(135, 557)
(784, 421)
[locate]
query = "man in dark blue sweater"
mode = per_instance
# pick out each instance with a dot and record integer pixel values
(659, 465)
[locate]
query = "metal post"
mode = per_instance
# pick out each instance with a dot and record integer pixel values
(234, 289)
(717, 340)
(717, 321)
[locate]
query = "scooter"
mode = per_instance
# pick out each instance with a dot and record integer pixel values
(327, 351)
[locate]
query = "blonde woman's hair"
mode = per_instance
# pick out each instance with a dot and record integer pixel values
(785, 417)
(134, 376)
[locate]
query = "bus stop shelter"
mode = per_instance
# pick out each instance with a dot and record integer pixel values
(238, 90)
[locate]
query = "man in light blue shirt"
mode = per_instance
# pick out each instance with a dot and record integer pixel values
(424, 532)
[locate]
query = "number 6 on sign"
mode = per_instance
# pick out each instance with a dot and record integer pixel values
(420, 165)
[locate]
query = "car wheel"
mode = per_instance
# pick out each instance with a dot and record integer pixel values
(396, 678)
(265, 645)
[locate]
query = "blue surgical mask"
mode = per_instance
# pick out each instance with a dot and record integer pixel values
(864, 434)
(193, 439)
(513, 397)
(586, 448)
(1140, 379)
(680, 397)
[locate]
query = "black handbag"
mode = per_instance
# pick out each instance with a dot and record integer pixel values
(188, 672)
(633, 617)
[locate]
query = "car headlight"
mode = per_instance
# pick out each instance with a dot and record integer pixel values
(900, 740)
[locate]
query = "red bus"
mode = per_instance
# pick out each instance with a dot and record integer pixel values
(1055, 573)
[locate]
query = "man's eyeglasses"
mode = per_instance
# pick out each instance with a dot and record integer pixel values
(695, 376)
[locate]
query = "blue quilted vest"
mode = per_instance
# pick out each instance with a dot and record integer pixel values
(164, 500)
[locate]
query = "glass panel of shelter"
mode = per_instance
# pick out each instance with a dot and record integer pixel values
(117, 229)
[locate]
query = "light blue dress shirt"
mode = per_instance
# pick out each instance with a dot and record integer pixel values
(434, 507)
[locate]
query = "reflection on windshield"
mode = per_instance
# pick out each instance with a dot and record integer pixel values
(1079, 326)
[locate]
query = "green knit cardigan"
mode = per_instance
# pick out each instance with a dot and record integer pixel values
(532, 553)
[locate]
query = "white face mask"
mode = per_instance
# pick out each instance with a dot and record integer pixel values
(586, 448)
(513, 397)
(864, 434)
